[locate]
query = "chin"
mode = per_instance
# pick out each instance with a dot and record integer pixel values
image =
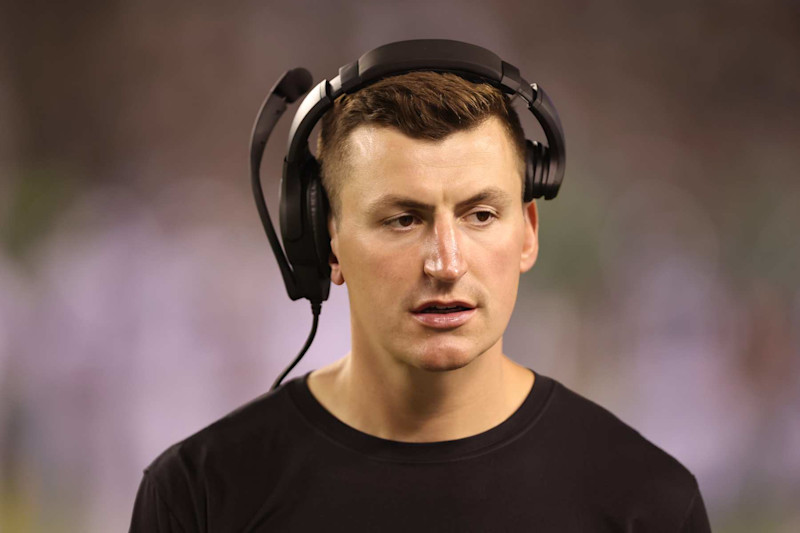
(444, 359)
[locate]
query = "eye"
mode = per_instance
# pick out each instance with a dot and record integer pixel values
(403, 221)
(484, 218)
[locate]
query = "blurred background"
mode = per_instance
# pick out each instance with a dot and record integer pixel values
(139, 300)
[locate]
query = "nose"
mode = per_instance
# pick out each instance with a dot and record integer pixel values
(444, 260)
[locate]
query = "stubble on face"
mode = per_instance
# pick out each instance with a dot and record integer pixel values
(389, 269)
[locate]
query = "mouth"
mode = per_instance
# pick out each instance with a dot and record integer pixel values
(439, 315)
(443, 307)
(444, 310)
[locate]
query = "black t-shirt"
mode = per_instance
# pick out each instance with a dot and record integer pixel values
(282, 462)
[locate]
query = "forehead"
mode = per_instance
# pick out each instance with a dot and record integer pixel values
(384, 161)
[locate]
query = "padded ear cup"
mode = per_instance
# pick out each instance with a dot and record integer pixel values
(537, 171)
(304, 227)
(317, 212)
(532, 171)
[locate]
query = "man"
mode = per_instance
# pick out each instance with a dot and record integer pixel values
(425, 425)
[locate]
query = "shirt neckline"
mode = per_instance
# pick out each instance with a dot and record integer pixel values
(520, 421)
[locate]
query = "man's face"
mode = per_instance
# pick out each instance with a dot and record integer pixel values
(416, 225)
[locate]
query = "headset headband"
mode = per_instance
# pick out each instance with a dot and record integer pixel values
(467, 60)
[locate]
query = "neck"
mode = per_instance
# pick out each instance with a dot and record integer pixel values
(402, 403)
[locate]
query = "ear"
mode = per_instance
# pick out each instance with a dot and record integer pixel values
(333, 260)
(530, 245)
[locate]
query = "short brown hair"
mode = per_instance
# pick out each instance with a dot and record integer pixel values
(422, 105)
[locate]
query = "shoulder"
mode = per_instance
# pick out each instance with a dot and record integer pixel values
(235, 451)
(599, 434)
(256, 425)
(615, 463)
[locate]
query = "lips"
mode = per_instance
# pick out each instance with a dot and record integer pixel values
(440, 314)
(444, 307)
(445, 320)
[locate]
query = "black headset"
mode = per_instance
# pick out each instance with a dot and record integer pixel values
(303, 203)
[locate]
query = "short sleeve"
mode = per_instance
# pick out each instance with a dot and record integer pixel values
(151, 513)
(696, 520)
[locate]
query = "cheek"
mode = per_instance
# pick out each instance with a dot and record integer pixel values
(373, 271)
(498, 269)
(503, 250)
(505, 270)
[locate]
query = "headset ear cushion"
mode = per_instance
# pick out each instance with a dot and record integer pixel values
(532, 172)
(548, 189)
(317, 203)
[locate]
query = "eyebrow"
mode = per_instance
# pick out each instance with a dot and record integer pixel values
(490, 194)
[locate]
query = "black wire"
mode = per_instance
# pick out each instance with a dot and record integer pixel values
(316, 308)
